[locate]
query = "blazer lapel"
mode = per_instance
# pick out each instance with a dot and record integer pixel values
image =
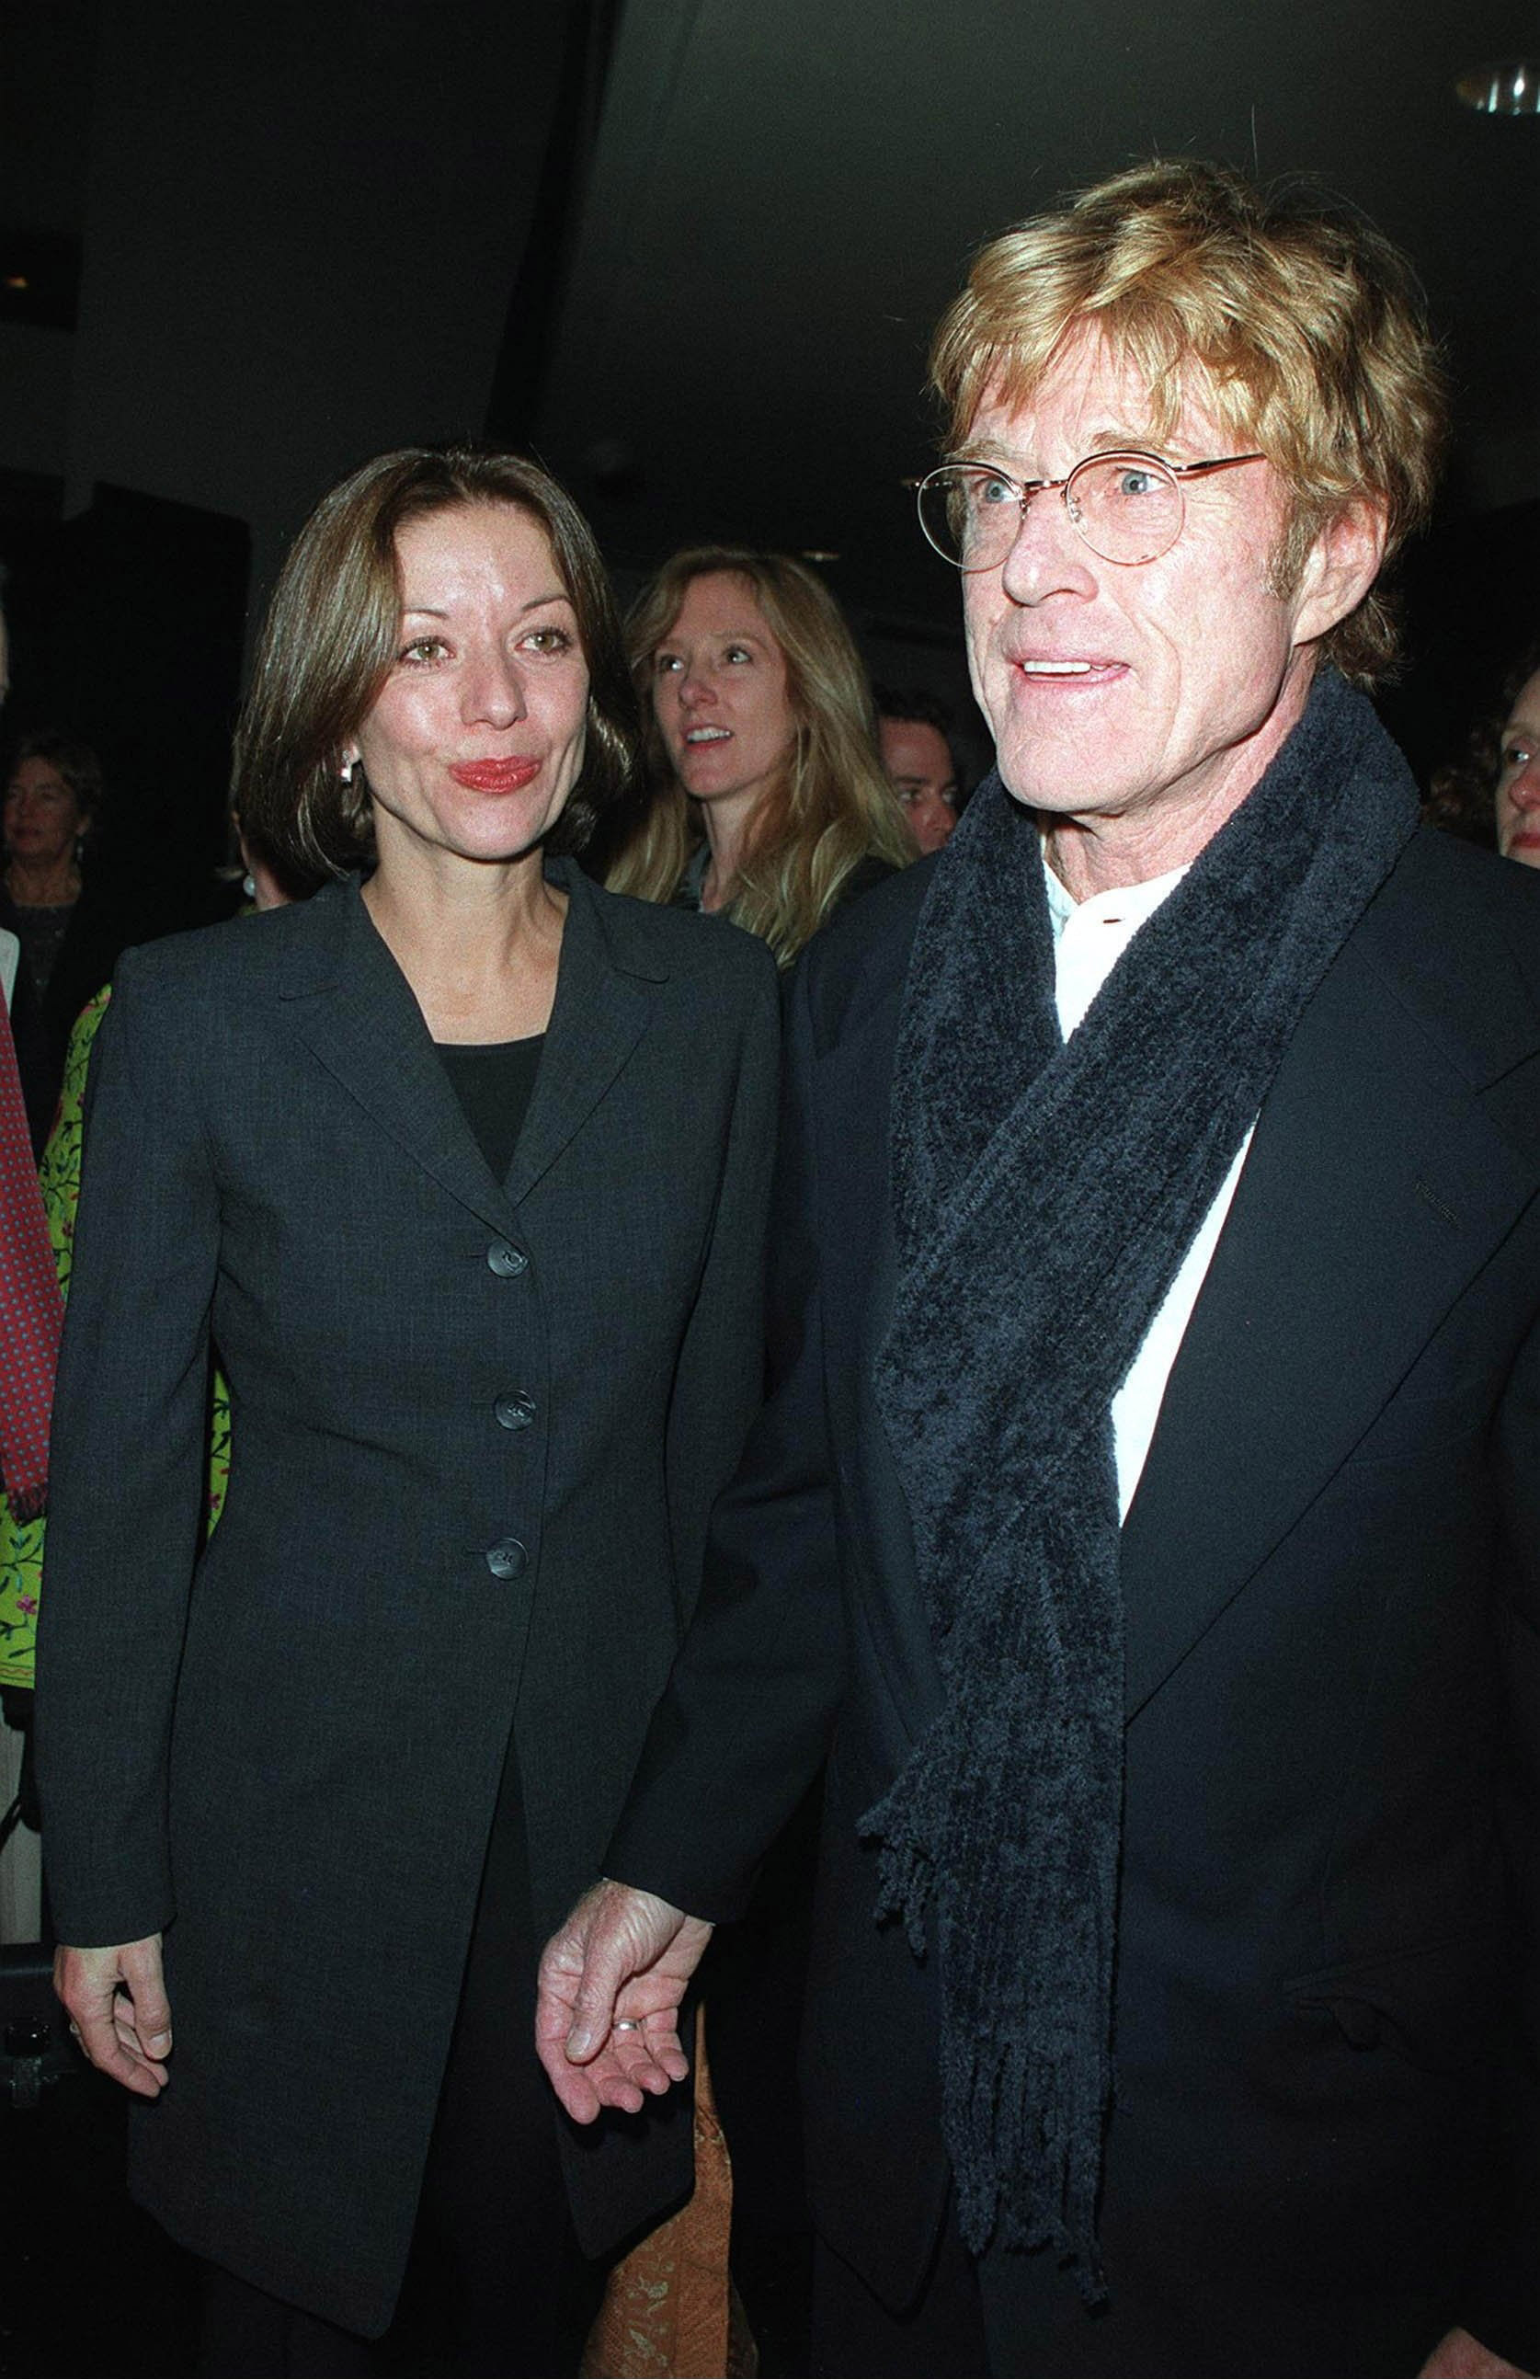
(603, 1005)
(354, 1010)
(1375, 1188)
(358, 1015)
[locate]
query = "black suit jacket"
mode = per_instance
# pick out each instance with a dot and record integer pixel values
(290, 1761)
(1331, 1578)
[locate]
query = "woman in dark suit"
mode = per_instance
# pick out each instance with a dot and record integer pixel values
(462, 1167)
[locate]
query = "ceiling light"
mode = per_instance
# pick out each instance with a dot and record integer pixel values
(1509, 87)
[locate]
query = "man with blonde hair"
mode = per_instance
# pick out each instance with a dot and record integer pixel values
(1146, 1519)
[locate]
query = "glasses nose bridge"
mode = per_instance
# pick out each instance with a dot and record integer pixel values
(1027, 489)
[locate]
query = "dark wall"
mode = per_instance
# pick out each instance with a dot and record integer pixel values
(127, 624)
(300, 228)
(1473, 604)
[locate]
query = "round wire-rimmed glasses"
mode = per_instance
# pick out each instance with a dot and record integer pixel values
(1128, 506)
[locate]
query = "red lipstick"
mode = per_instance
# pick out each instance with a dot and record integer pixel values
(495, 776)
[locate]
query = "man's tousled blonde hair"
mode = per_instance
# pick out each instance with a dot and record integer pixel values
(1299, 325)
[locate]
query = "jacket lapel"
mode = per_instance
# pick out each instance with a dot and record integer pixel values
(1375, 1188)
(604, 1001)
(356, 1012)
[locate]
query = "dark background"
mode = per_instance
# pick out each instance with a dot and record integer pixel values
(690, 251)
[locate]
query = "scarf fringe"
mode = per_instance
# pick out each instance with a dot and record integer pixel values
(1032, 2180)
(905, 1867)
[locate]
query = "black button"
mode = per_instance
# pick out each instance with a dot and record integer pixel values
(508, 1558)
(505, 1260)
(515, 1411)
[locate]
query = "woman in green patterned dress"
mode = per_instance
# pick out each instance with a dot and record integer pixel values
(22, 1542)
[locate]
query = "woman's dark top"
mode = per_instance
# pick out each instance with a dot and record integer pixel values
(494, 1082)
(74, 958)
(42, 933)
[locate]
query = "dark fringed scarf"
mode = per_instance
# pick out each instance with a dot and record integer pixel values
(1044, 1198)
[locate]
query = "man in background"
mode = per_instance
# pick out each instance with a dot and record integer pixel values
(913, 730)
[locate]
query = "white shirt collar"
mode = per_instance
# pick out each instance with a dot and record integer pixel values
(1130, 906)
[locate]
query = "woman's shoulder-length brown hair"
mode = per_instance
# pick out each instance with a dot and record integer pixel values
(330, 635)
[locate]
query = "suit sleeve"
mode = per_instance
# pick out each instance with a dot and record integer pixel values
(128, 1475)
(1503, 2308)
(719, 1379)
(745, 1722)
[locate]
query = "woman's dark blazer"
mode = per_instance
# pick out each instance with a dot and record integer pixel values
(477, 1430)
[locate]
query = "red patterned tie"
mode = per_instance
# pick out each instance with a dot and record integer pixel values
(31, 1307)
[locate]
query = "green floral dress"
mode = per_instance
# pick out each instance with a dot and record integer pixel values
(21, 1542)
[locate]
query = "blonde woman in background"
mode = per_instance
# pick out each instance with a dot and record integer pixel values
(770, 797)
(769, 800)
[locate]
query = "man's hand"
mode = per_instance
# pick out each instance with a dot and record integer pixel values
(118, 2008)
(607, 2026)
(1458, 2356)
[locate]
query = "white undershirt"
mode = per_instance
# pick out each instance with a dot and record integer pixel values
(1089, 939)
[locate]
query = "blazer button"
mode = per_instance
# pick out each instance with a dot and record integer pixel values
(515, 1411)
(505, 1260)
(507, 1558)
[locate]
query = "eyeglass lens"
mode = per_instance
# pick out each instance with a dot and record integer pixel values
(1127, 508)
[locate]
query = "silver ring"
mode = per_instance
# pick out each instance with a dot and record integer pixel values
(75, 2028)
(626, 2025)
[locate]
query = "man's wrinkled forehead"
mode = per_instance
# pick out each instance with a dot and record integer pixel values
(1113, 399)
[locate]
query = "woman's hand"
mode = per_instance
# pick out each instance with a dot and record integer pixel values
(118, 2009)
(607, 2025)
